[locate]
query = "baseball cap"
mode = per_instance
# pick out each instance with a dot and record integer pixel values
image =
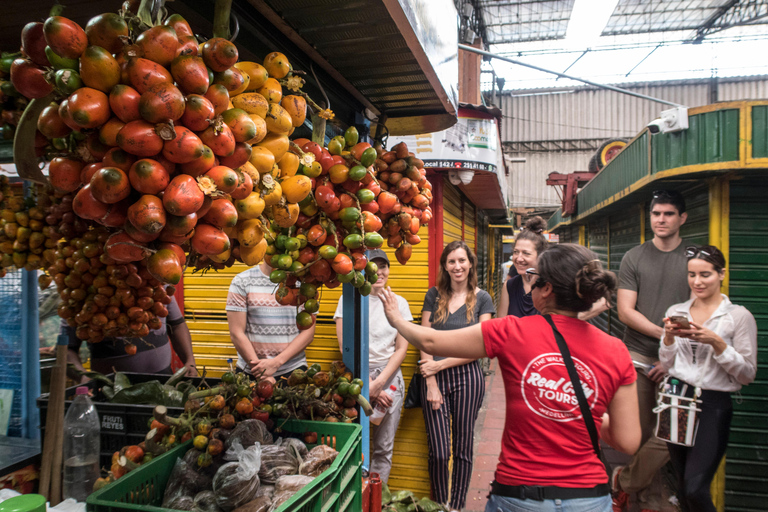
(378, 254)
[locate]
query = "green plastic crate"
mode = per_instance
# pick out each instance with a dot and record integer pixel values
(338, 489)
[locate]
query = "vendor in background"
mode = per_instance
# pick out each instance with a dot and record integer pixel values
(152, 352)
(454, 387)
(717, 352)
(264, 332)
(516, 292)
(386, 352)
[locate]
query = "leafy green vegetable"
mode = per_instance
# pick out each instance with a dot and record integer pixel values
(386, 495)
(177, 377)
(402, 496)
(121, 382)
(427, 505)
(108, 392)
(151, 393)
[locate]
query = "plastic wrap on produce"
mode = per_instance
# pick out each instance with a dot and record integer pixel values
(236, 483)
(318, 460)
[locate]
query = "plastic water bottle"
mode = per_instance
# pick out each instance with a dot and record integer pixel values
(82, 431)
(380, 410)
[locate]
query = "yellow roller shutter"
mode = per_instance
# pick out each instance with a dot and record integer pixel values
(470, 230)
(205, 299)
(452, 229)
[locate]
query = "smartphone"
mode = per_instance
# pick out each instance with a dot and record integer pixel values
(681, 321)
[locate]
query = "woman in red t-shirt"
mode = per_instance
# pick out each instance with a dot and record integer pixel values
(547, 452)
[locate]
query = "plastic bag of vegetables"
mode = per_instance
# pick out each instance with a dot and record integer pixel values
(236, 483)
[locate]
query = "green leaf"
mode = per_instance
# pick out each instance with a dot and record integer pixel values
(121, 382)
(109, 392)
(386, 495)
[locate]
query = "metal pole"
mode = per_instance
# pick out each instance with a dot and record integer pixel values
(355, 350)
(563, 75)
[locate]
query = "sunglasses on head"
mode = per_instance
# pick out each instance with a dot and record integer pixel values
(539, 283)
(692, 251)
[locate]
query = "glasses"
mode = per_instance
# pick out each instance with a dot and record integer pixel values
(539, 282)
(692, 251)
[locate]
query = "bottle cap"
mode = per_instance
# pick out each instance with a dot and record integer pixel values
(82, 390)
(24, 503)
(392, 387)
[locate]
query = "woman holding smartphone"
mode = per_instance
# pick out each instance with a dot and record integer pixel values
(709, 343)
(454, 387)
(516, 292)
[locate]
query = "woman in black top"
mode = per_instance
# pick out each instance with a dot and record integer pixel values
(454, 387)
(516, 293)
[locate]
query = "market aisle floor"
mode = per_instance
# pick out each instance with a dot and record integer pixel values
(488, 430)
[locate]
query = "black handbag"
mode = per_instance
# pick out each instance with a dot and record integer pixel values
(576, 383)
(413, 396)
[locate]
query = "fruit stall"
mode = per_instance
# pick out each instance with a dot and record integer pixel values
(160, 162)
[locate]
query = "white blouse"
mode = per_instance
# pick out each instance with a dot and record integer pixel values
(697, 364)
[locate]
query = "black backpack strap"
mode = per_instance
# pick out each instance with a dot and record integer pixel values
(576, 383)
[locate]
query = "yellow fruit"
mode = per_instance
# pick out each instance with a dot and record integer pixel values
(272, 194)
(262, 159)
(272, 90)
(277, 65)
(251, 102)
(296, 106)
(296, 188)
(221, 258)
(261, 129)
(285, 214)
(244, 86)
(253, 255)
(277, 144)
(288, 165)
(249, 232)
(251, 171)
(250, 207)
(278, 120)
(256, 72)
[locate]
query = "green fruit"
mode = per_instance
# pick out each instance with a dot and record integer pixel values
(351, 136)
(349, 214)
(327, 252)
(336, 146)
(357, 172)
(343, 388)
(304, 320)
(6, 63)
(284, 262)
(354, 241)
(365, 290)
(346, 278)
(59, 62)
(371, 268)
(365, 196)
(373, 278)
(308, 290)
(277, 276)
(228, 378)
(297, 267)
(373, 240)
(357, 382)
(280, 241)
(243, 390)
(59, 143)
(68, 80)
(354, 390)
(312, 306)
(368, 157)
(359, 280)
(292, 244)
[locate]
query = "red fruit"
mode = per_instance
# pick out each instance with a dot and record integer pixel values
(317, 235)
(64, 174)
(209, 240)
(116, 215)
(148, 176)
(201, 165)
(224, 178)
(161, 103)
(222, 214)
(65, 37)
(89, 107)
(241, 155)
(342, 264)
(110, 185)
(264, 389)
(88, 171)
(139, 138)
(188, 45)
(159, 44)
(109, 130)
(124, 102)
(29, 79)
(184, 148)
(183, 196)
(147, 214)
(218, 95)
(180, 226)
(116, 157)
(124, 249)
(324, 196)
(219, 54)
(176, 248)
(244, 187)
(137, 234)
(164, 266)
(198, 113)
(403, 253)
(221, 142)
(86, 206)
(108, 31)
(190, 74)
(33, 43)
(144, 73)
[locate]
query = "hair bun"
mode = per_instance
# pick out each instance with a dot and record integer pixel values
(594, 282)
(535, 224)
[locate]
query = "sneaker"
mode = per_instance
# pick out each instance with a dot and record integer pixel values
(620, 498)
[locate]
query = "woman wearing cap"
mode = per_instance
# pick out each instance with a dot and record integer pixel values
(516, 292)
(717, 353)
(386, 353)
(547, 459)
(454, 387)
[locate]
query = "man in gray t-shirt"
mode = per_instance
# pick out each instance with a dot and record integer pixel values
(652, 277)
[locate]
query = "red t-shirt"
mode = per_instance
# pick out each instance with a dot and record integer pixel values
(545, 440)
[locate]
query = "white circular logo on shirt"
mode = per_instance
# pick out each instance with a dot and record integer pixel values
(547, 389)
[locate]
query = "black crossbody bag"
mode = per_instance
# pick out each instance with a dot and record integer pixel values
(525, 492)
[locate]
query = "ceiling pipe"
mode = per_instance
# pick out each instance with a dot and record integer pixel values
(563, 75)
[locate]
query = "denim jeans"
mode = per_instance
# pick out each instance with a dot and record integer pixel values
(502, 504)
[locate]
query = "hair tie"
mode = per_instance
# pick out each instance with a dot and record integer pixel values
(588, 268)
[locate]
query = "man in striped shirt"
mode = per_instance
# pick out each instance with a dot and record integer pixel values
(265, 334)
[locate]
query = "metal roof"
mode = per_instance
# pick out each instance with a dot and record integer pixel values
(513, 21)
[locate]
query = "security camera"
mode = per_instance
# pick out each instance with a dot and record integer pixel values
(655, 125)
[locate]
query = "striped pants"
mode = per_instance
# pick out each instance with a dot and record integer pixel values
(451, 429)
